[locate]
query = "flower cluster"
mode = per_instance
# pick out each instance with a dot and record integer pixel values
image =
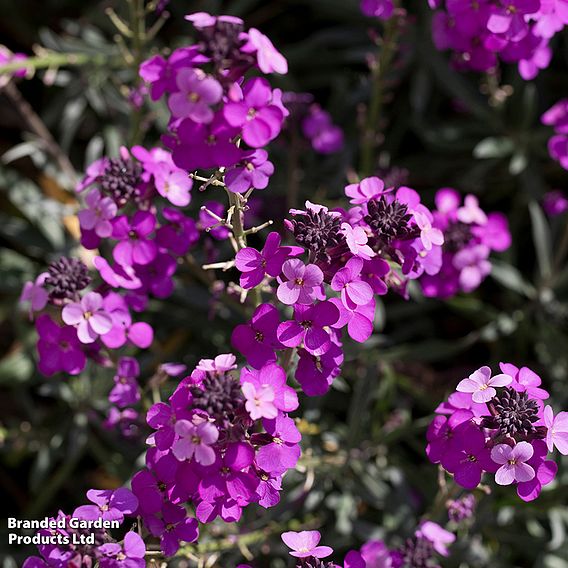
(385, 239)
(469, 237)
(482, 32)
(221, 442)
(218, 121)
(419, 551)
(499, 424)
(67, 546)
(557, 117)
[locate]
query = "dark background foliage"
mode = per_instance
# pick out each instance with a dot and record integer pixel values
(365, 473)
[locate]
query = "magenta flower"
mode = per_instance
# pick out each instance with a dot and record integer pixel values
(195, 439)
(381, 9)
(305, 544)
(253, 171)
(35, 293)
(308, 327)
(509, 18)
(481, 384)
(126, 391)
(557, 433)
(178, 234)
(259, 402)
(174, 186)
(359, 321)
(513, 463)
(197, 93)
(257, 339)
(429, 235)
(554, 203)
(58, 348)
(439, 537)
(130, 555)
(269, 59)
(273, 376)
(470, 212)
(123, 330)
(173, 527)
(367, 189)
(546, 471)
(347, 280)
(100, 210)
(316, 373)
(326, 138)
(134, 246)
(356, 239)
(255, 265)
(283, 452)
(259, 119)
(470, 458)
(88, 317)
(525, 380)
(473, 266)
(108, 505)
(303, 284)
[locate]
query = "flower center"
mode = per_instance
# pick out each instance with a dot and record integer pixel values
(196, 440)
(193, 97)
(299, 281)
(259, 336)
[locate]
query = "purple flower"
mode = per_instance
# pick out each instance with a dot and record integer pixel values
(359, 321)
(545, 473)
(441, 434)
(197, 93)
(356, 239)
(130, 555)
(178, 234)
(254, 265)
(88, 316)
(283, 452)
(98, 215)
(303, 284)
(126, 391)
(269, 59)
(195, 439)
(308, 327)
(259, 402)
(316, 373)
(35, 293)
(123, 330)
(381, 9)
(513, 463)
(162, 418)
(481, 384)
(174, 186)
(254, 170)
(525, 380)
(58, 348)
(557, 433)
(376, 554)
(274, 377)
(509, 18)
(469, 458)
(134, 246)
(367, 189)
(257, 339)
(305, 544)
(439, 537)
(205, 145)
(429, 235)
(108, 505)
(173, 527)
(354, 291)
(326, 138)
(473, 266)
(152, 487)
(554, 203)
(259, 119)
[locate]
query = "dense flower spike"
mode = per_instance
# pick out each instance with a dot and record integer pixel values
(498, 426)
(482, 33)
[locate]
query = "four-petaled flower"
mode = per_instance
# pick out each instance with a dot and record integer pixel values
(513, 463)
(303, 284)
(557, 430)
(88, 316)
(481, 384)
(195, 440)
(305, 544)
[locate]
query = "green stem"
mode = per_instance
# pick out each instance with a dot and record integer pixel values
(138, 29)
(55, 60)
(379, 70)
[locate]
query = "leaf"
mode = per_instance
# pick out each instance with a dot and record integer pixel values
(541, 239)
(510, 277)
(494, 147)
